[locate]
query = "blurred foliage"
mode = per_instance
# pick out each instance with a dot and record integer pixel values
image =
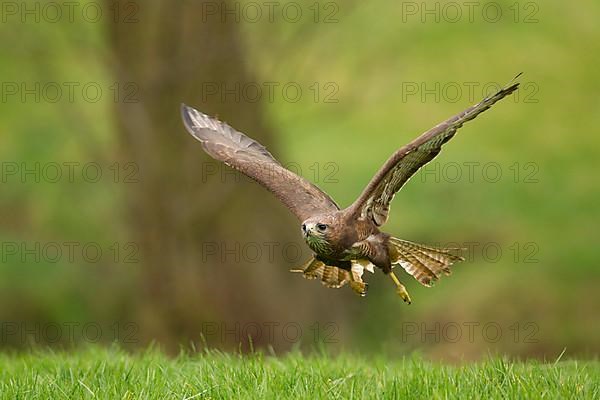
(370, 55)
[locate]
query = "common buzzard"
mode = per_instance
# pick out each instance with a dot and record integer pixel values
(345, 241)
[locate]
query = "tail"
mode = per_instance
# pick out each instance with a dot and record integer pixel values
(425, 263)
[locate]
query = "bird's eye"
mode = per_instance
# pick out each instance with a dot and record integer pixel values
(321, 227)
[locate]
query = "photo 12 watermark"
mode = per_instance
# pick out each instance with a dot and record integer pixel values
(55, 12)
(36, 333)
(291, 332)
(68, 252)
(253, 12)
(269, 92)
(468, 331)
(68, 92)
(526, 172)
(252, 252)
(491, 252)
(28, 172)
(316, 172)
(452, 12)
(268, 252)
(467, 91)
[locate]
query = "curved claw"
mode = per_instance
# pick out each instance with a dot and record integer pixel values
(400, 289)
(359, 288)
(404, 294)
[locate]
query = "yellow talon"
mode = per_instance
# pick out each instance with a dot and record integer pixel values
(400, 289)
(359, 288)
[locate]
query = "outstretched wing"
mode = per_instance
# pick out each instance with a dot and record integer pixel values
(374, 201)
(237, 150)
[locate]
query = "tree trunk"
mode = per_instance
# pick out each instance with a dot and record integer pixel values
(199, 226)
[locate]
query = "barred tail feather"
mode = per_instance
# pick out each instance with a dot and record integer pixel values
(425, 263)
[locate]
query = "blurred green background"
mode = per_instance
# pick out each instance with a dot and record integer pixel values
(192, 254)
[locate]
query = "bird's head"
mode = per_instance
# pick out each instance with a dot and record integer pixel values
(319, 232)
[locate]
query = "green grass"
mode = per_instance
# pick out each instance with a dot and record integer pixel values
(112, 373)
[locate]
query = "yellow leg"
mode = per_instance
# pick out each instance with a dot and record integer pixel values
(400, 289)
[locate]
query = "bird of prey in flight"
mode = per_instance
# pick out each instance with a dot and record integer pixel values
(345, 241)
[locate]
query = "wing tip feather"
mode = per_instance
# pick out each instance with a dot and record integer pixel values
(199, 124)
(187, 113)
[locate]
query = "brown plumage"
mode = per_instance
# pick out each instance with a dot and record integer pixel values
(345, 242)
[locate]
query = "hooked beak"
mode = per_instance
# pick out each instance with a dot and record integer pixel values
(306, 230)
